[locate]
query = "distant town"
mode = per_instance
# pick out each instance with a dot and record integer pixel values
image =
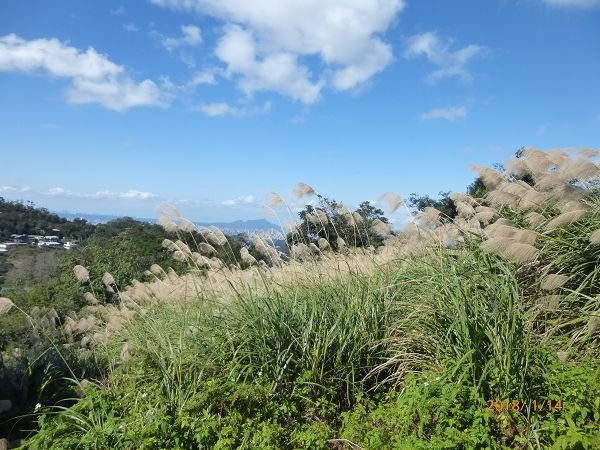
(54, 239)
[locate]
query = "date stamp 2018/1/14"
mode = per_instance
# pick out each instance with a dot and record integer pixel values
(498, 406)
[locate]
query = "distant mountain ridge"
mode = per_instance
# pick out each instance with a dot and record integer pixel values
(242, 225)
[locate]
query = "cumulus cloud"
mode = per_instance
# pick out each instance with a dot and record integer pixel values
(451, 113)
(13, 189)
(94, 78)
(450, 63)
(264, 42)
(223, 109)
(245, 200)
(573, 3)
(131, 27)
(191, 36)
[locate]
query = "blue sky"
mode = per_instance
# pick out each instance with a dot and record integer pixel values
(114, 107)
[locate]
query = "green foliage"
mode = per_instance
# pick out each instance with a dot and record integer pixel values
(328, 220)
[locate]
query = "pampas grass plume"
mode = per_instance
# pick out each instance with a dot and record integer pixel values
(303, 190)
(393, 201)
(595, 237)
(81, 273)
(6, 305)
(553, 281)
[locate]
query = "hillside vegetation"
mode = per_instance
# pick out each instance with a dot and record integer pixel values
(475, 327)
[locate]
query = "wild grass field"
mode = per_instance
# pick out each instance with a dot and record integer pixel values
(469, 332)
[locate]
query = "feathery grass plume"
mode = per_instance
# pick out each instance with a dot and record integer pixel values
(303, 190)
(381, 228)
(246, 257)
(565, 219)
(323, 244)
(276, 200)
(500, 198)
(566, 192)
(156, 269)
(183, 247)
(108, 280)
(588, 153)
(167, 209)
(579, 169)
(520, 253)
(169, 245)
(557, 157)
(318, 218)
(6, 305)
(215, 263)
(357, 218)
(187, 226)
(266, 251)
(86, 324)
(200, 261)
(516, 189)
(206, 249)
(126, 351)
(178, 255)
(392, 200)
(301, 252)
(517, 252)
(314, 249)
(595, 237)
(462, 197)
(535, 219)
(214, 236)
(491, 178)
(533, 199)
(516, 234)
(90, 298)
(464, 210)
(81, 274)
(168, 225)
(429, 217)
(553, 281)
(573, 205)
(341, 244)
(485, 217)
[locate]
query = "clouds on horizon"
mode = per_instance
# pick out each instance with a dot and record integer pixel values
(582, 4)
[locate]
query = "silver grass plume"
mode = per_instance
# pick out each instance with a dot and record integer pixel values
(246, 257)
(81, 274)
(108, 280)
(565, 219)
(303, 190)
(168, 225)
(380, 228)
(393, 201)
(535, 219)
(206, 249)
(183, 247)
(187, 226)
(595, 237)
(491, 178)
(156, 269)
(169, 245)
(430, 217)
(90, 298)
(301, 252)
(464, 209)
(178, 255)
(593, 324)
(341, 244)
(276, 200)
(6, 305)
(323, 244)
(314, 249)
(553, 281)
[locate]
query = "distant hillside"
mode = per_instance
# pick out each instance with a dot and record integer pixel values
(239, 226)
(25, 218)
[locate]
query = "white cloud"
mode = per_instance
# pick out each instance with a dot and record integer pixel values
(132, 194)
(450, 63)
(264, 41)
(245, 200)
(191, 36)
(573, 3)
(117, 11)
(451, 113)
(94, 78)
(222, 109)
(13, 189)
(131, 27)
(207, 76)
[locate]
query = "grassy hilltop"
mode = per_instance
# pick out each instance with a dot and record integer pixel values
(476, 326)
